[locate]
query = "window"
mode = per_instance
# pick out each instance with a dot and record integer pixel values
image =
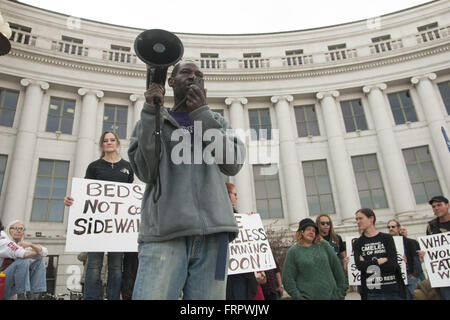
(252, 60)
(60, 115)
(294, 57)
(382, 43)
(21, 34)
(318, 187)
(337, 52)
(115, 120)
(119, 54)
(422, 174)
(429, 32)
(354, 117)
(209, 60)
(8, 104)
(369, 182)
(444, 88)
(402, 107)
(306, 118)
(51, 264)
(268, 194)
(50, 190)
(71, 46)
(260, 124)
(3, 160)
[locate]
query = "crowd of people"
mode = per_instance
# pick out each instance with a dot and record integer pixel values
(187, 221)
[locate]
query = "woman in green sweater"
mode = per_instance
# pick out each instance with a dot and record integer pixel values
(312, 271)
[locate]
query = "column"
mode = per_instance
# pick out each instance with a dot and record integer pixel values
(436, 120)
(138, 103)
(340, 160)
(22, 158)
(86, 135)
(243, 180)
(391, 154)
(289, 163)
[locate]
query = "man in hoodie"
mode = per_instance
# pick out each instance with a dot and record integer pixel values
(185, 229)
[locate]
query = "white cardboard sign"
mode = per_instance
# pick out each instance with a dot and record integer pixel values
(437, 258)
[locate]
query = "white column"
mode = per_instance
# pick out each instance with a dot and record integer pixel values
(138, 103)
(289, 163)
(436, 120)
(22, 158)
(86, 134)
(340, 160)
(391, 154)
(243, 180)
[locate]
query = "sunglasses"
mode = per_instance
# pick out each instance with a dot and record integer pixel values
(17, 229)
(392, 227)
(325, 223)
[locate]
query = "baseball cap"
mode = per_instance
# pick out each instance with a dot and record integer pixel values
(438, 199)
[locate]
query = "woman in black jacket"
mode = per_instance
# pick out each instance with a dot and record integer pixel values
(376, 258)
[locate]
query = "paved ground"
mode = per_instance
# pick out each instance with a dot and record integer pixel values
(352, 296)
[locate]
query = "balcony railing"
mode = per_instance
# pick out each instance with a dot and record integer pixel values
(340, 54)
(297, 60)
(254, 63)
(433, 34)
(119, 56)
(23, 37)
(70, 48)
(212, 63)
(385, 46)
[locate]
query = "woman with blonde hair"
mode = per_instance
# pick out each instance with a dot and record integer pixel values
(326, 230)
(312, 271)
(110, 167)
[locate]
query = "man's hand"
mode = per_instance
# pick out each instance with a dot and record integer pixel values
(155, 91)
(195, 97)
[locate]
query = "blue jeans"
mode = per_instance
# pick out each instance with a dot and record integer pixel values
(93, 281)
(412, 284)
(184, 265)
(384, 296)
(445, 293)
(22, 277)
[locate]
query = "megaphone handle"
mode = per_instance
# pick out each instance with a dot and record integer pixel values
(157, 133)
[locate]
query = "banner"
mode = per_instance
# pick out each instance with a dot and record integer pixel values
(437, 258)
(104, 217)
(250, 251)
(354, 275)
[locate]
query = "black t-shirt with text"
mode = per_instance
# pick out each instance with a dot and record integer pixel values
(120, 171)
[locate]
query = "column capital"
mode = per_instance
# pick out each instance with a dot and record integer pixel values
(276, 99)
(231, 100)
(27, 82)
(85, 91)
(430, 76)
(135, 97)
(324, 94)
(380, 86)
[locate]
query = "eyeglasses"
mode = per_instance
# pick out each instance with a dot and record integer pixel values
(17, 229)
(325, 223)
(392, 227)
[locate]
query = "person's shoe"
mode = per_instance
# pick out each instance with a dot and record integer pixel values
(22, 296)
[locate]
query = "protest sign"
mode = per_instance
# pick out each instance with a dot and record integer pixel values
(437, 258)
(250, 251)
(104, 217)
(354, 275)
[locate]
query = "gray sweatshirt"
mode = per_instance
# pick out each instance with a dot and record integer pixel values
(194, 199)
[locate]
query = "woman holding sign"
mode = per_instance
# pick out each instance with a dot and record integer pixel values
(376, 258)
(110, 167)
(312, 270)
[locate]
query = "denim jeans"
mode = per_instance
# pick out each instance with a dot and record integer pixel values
(412, 284)
(93, 281)
(384, 296)
(184, 265)
(445, 293)
(22, 277)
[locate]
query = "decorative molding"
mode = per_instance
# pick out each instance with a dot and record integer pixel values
(26, 82)
(320, 70)
(324, 94)
(430, 76)
(379, 86)
(86, 91)
(231, 100)
(276, 99)
(135, 97)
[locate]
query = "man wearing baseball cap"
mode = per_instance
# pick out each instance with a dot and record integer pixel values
(441, 224)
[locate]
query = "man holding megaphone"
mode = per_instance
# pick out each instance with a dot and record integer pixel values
(184, 232)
